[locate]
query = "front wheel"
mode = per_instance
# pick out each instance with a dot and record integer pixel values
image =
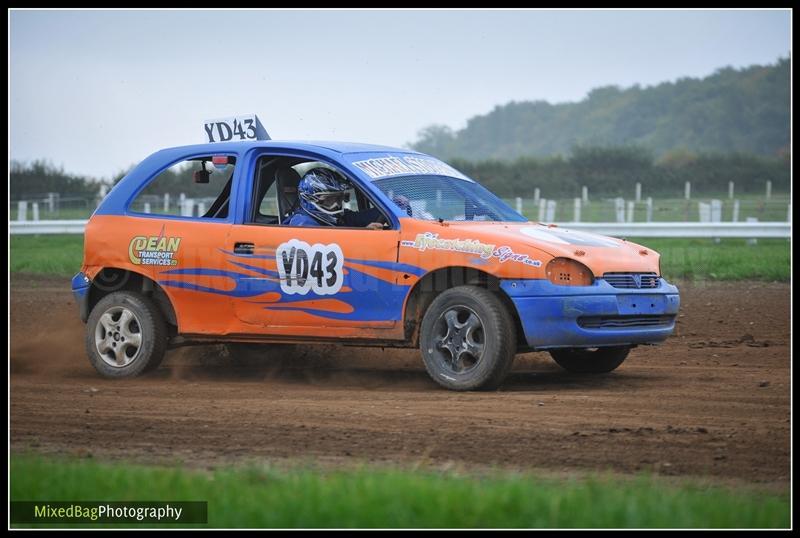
(590, 361)
(468, 339)
(125, 335)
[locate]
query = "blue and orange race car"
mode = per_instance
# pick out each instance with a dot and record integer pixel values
(281, 242)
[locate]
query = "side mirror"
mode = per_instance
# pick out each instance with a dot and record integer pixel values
(201, 176)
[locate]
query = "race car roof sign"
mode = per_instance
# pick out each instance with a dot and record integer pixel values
(236, 128)
(401, 164)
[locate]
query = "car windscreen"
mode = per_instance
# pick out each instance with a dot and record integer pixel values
(429, 197)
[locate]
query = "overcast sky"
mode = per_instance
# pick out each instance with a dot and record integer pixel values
(96, 91)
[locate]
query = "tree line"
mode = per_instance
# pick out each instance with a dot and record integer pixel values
(33, 179)
(607, 171)
(27, 180)
(615, 171)
(731, 111)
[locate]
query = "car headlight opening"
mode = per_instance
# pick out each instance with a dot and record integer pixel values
(567, 272)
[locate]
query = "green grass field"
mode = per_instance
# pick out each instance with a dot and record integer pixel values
(665, 209)
(599, 208)
(681, 259)
(57, 255)
(731, 259)
(258, 496)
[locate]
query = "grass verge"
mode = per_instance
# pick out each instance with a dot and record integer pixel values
(57, 255)
(730, 259)
(681, 259)
(258, 496)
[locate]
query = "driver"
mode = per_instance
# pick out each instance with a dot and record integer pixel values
(322, 194)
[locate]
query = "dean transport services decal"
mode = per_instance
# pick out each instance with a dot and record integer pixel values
(485, 251)
(154, 250)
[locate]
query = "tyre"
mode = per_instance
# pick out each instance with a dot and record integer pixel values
(126, 335)
(468, 339)
(590, 361)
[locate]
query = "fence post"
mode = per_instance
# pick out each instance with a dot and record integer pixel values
(629, 215)
(735, 217)
(649, 209)
(752, 241)
(705, 211)
(619, 208)
(519, 205)
(201, 209)
(551, 211)
(166, 202)
(147, 207)
(716, 210)
(730, 190)
(638, 192)
(542, 209)
(51, 202)
(35, 208)
(769, 189)
(716, 214)
(687, 190)
(577, 211)
(187, 208)
(536, 196)
(585, 194)
(22, 210)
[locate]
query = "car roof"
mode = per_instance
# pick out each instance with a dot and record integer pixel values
(312, 145)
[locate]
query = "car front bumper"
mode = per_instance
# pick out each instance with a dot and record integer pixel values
(592, 316)
(80, 289)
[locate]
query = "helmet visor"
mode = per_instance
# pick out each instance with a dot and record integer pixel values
(332, 201)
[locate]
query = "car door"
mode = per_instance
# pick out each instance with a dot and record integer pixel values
(320, 282)
(175, 239)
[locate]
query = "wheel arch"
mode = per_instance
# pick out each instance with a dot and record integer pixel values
(110, 279)
(434, 282)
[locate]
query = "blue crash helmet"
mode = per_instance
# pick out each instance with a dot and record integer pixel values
(322, 195)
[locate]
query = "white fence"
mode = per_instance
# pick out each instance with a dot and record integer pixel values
(748, 230)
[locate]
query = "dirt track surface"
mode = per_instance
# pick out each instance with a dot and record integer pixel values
(713, 401)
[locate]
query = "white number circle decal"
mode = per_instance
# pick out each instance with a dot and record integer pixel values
(303, 267)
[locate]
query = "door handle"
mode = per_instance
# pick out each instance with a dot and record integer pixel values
(243, 248)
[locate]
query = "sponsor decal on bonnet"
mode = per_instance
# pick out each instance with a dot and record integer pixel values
(431, 241)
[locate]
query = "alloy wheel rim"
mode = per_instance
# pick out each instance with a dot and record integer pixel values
(459, 339)
(118, 337)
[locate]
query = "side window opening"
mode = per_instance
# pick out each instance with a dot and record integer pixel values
(275, 196)
(199, 187)
(275, 190)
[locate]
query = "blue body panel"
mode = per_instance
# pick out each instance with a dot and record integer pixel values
(80, 289)
(339, 154)
(549, 314)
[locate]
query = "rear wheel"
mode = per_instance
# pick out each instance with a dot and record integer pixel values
(468, 339)
(125, 335)
(590, 361)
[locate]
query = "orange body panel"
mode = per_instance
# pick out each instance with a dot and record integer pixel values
(500, 248)
(216, 291)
